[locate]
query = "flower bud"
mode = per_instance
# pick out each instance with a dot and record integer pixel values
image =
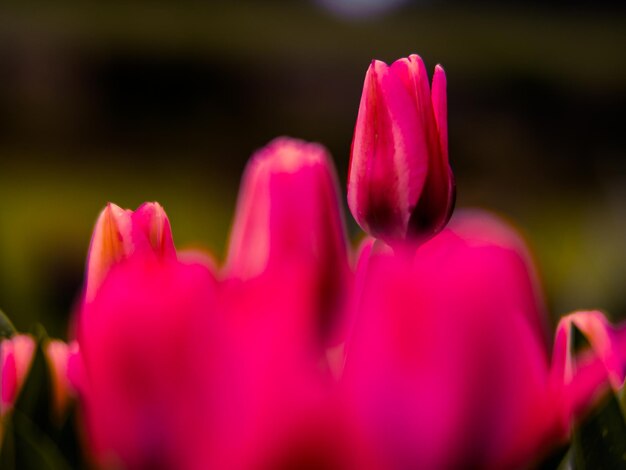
(400, 185)
(16, 357)
(16, 354)
(119, 233)
(288, 217)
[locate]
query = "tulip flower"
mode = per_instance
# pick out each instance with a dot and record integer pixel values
(400, 185)
(16, 354)
(604, 364)
(119, 233)
(151, 357)
(288, 216)
(447, 365)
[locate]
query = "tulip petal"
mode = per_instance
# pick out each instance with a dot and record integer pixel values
(288, 218)
(440, 109)
(110, 242)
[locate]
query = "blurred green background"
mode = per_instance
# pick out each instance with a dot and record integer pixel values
(136, 101)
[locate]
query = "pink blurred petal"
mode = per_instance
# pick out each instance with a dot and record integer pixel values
(152, 231)
(111, 241)
(121, 232)
(447, 364)
(58, 354)
(585, 376)
(16, 355)
(151, 352)
(288, 217)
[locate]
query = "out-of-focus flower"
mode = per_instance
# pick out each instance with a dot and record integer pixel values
(59, 355)
(16, 354)
(16, 357)
(447, 363)
(400, 185)
(282, 409)
(606, 358)
(289, 217)
(150, 348)
(119, 233)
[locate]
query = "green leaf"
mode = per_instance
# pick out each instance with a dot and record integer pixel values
(6, 327)
(600, 440)
(25, 447)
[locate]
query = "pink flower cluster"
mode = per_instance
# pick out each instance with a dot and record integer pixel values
(428, 347)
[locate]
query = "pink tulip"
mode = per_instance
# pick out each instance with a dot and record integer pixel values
(16, 354)
(288, 216)
(400, 185)
(152, 365)
(589, 374)
(59, 355)
(119, 233)
(447, 364)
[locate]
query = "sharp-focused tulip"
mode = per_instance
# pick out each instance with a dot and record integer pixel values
(447, 364)
(288, 216)
(119, 233)
(400, 185)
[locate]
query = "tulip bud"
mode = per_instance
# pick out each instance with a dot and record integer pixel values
(288, 216)
(400, 185)
(16, 357)
(16, 354)
(119, 233)
(608, 348)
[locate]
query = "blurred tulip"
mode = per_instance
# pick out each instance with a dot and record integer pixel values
(447, 364)
(150, 349)
(289, 217)
(16, 357)
(16, 354)
(588, 374)
(282, 412)
(119, 233)
(59, 355)
(400, 185)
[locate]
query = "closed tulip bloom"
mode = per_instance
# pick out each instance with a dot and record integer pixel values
(119, 233)
(288, 216)
(16, 355)
(400, 185)
(447, 364)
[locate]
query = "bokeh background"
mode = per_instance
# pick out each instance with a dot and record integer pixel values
(135, 101)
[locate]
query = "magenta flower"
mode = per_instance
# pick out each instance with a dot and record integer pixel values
(119, 233)
(400, 185)
(150, 345)
(447, 364)
(289, 218)
(16, 354)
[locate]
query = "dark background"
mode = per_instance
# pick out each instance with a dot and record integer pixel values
(134, 101)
